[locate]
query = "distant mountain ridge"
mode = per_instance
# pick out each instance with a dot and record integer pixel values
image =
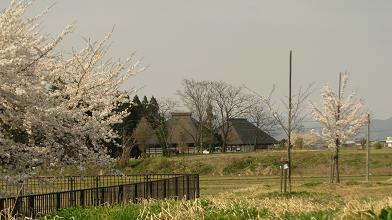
(379, 129)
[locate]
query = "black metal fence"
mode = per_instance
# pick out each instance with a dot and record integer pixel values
(48, 184)
(178, 186)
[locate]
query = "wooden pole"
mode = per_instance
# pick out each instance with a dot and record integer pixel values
(368, 148)
(289, 126)
(281, 177)
(336, 161)
(285, 180)
(331, 171)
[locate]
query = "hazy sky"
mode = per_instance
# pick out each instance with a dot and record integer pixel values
(243, 42)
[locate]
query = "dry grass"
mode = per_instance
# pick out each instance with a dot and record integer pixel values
(222, 208)
(311, 200)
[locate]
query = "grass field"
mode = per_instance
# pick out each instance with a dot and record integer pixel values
(246, 185)
(213, 185)
(258, 198)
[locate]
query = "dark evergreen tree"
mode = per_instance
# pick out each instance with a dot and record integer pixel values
(129, 123)
(153, 112)
(145, 104)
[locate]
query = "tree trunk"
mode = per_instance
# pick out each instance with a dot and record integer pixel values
(125, 156)
(337, 165)
(332, 168)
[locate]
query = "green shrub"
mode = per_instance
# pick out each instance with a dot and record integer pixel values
(377, 145)
(319, 215)
(201, 168)
(386, 214)
(239, 165)
(125, 214)
(311, 184)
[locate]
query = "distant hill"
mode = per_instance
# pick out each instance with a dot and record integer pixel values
(379, 129)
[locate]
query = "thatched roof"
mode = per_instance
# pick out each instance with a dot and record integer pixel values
(182, 128)
(242, 132)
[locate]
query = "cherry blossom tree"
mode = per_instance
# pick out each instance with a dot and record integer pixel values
(63, 106)
(341, 117)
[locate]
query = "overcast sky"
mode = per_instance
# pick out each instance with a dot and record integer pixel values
(243, 42)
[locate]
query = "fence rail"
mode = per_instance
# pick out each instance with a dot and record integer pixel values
(185, 186)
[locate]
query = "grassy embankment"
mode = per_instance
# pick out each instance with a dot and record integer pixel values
(259, 163)
(265, 163)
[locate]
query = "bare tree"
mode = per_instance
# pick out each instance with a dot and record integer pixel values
(262, 118)
(229, 102)
(197, 98)
(289, 115)
(280, 113)
(166, 106)
(290, 118)
(298, 114)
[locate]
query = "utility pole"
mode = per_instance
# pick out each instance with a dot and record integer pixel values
(368, 147)
(289, 126)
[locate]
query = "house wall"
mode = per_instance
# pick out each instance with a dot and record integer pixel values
(240, 148)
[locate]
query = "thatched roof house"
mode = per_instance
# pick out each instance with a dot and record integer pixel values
(182, 133)
(182, 129)
(245, 135)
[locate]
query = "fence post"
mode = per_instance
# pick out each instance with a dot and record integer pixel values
(135, 193)
(72, 194)
(58, 201)
(31, 206)
(164, 189)
(102, 195)
(176, 187)
(82, 198)
(187, 187)
(96, 190)
(198, 186)
(145, 186)
(150, 188)
(2, 208)
(121, 193)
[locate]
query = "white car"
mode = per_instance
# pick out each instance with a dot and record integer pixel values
(206, 152)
